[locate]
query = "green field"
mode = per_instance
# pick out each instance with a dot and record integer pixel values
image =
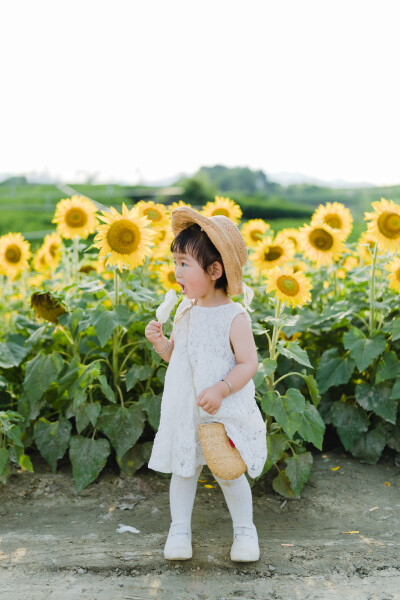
(29, 208)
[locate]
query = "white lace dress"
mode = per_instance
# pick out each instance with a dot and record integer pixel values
(176, 447)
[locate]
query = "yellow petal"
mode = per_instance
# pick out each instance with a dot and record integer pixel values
(209, 486)
(335, 468)
(387, 483)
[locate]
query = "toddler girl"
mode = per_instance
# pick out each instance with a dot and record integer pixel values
(215, 334)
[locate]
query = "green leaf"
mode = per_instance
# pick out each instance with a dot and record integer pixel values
(123, 426)
(293, 350)
(377, 398)
(393, 328)
(333, 370)
(265, 368)
(25, 463)
(350, 422)
(285, 409)
(313, 389)
(52, 439)
(281, 485)
(388, 367)
(88, 457)
(40, 373)
(3, 459)
(393, 437)
(137, 373)
(92, 410)
(364, 350)
(17, 350)
(395, 395)
(276, 445)
(311, 426)
(135, 458)
(106, 389)
(370, 445)
(7, 360)
(298, 469)
(151, 404)
(104, 322)
(124, 314)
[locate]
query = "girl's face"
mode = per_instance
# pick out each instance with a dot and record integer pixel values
(194, 281)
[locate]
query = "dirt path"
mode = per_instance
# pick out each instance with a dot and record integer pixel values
(58, 543)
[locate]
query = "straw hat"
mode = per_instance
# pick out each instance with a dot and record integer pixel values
(225, 236)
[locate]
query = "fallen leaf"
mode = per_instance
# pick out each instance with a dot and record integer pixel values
(335, 468)
(287, 544)
(345, 532)
(202, 480)
(209, 486)
(324, 456)
(387, 483)
(374, 508)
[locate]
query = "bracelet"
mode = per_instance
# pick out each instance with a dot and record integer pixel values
(229, 383)
(165, 349)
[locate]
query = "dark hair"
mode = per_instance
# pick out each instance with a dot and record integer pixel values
(194, 241)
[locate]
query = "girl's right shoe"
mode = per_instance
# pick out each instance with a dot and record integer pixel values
(245, 546)
(179, 543)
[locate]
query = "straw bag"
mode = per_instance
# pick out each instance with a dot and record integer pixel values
(222, 459)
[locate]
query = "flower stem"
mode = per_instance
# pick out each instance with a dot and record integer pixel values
(272, 347)
(372, 315)
(75, 259)
(115, 334)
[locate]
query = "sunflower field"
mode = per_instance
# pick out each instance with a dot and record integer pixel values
(79, 379)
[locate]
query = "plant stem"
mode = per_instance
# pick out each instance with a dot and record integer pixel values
(75, 259)
(115, 334)
(372, 315)
(272, 346)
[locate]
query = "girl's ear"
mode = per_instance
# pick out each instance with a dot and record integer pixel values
(215, 270)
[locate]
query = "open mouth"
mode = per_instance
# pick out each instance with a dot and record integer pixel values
(182, 286)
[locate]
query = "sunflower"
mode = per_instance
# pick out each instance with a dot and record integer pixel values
(166, 276)
(156, 213)
(271, 253)
(14, 254)
(174, 205)
(336, 216)
(394, 274)
(289, 287)
(46, 306)
(52, 244)
(350, 262)
(40, 262)
(320, 243)
(162, 244)
(384, 225)
(127, 237)
(75, 216)
(292, 234)
(223, 206)
(366, 245)
(254, 231)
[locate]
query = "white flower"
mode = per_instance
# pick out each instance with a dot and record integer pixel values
(165, 309)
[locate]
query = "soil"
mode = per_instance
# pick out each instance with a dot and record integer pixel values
(56, 542)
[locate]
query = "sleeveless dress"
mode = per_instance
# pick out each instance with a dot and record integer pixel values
(203, 333)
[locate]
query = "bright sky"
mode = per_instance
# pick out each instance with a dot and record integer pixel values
(151, 88)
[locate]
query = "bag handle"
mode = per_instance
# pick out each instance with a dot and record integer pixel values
(190, 362)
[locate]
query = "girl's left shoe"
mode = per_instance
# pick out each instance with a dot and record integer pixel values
(245, 546)
(179, 542)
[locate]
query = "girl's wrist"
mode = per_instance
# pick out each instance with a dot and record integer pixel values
(162, 346)
(224, 387)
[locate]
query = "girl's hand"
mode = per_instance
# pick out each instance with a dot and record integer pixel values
(211, 398)
(154, 333)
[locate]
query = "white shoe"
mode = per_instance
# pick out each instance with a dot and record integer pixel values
(179, 542)
(245, 546)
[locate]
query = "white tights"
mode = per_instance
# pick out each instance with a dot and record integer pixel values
(237, 493)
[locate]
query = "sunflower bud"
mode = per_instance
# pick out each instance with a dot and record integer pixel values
(46, 306)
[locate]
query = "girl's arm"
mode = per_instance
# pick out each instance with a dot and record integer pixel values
(244, 348)
(154, 334)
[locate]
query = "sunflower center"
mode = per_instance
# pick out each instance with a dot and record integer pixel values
(152, 214)
(171, 277)
(288, 285)
(53, 250)
(13, 253)
(221, 211)
(123, 236)
(333, 221)
(274, 252)
(321, 240)
(75, 217)
(256, 235)
(389, 225)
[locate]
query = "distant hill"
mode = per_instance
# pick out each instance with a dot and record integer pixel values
(286, 178)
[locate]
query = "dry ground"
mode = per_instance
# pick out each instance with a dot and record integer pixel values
(58, 543)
